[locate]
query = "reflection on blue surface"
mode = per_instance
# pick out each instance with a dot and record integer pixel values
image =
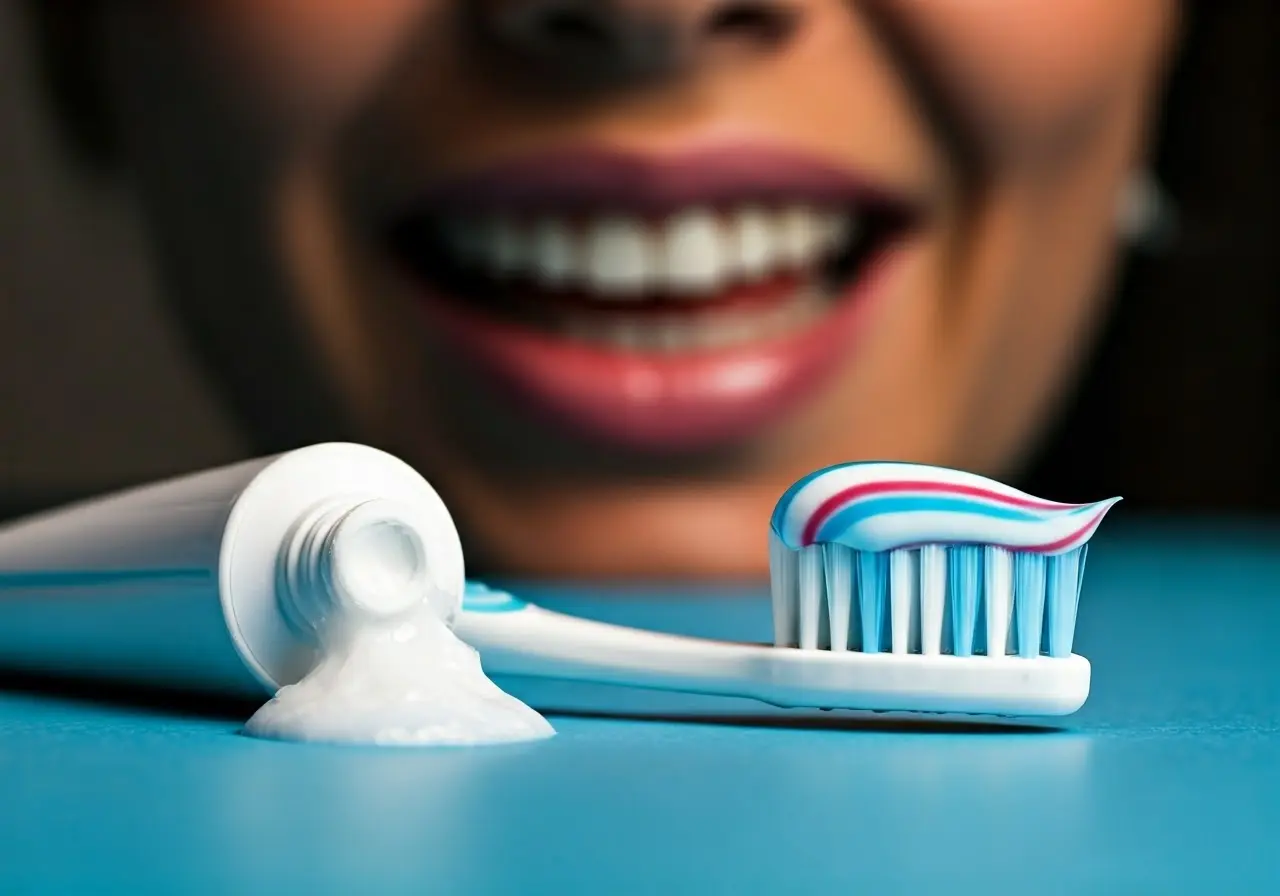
(1167, 781)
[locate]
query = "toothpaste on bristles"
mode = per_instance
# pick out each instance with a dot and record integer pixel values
(909, 558)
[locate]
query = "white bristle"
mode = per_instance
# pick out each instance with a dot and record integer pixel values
(933, 597)
(838, 563)
(811, 596)
(904, 600)
(998, 602)
(999, 598)
(784, 567)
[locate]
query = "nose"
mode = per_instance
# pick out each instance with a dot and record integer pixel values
(593, 43)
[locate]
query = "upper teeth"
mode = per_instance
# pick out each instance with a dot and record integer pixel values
(694, 252)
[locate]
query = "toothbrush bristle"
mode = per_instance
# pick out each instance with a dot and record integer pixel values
(965, 600)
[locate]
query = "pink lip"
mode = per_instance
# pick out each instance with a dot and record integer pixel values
(598, 180)
(662, 402)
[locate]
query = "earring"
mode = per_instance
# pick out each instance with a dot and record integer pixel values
(1145, 216)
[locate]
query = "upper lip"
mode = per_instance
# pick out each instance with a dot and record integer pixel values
(587, 181)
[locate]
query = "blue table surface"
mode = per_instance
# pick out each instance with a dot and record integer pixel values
(1167, 781)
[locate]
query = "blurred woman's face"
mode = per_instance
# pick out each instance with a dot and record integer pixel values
(614, 274)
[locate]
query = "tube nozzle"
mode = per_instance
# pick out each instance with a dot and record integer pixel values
(359, 559)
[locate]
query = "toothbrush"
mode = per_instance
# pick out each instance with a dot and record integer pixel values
(890, 583)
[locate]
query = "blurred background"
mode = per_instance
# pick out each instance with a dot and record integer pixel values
(95, 387)
(1178, 410)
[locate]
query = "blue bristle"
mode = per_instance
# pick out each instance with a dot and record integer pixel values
(873, 598)
(1028, 601)
(824, 623)
(964, 593)
(1061, 601)
(1084, 554)
(948, 608)
(843, 599)
(980, 630)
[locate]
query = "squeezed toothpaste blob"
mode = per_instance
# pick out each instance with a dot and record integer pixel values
(882, 506)
(390, 672)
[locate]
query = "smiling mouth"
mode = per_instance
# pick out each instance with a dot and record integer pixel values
(723, 281)
(679, 274)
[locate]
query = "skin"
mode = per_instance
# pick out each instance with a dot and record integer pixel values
(1018, 124)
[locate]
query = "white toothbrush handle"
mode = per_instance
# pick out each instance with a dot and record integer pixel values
(517, 640)
(538, 643)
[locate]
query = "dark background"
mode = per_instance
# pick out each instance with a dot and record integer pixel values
(1179, 409)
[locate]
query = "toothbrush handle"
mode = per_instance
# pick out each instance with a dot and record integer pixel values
(520, 640)
(538, 643)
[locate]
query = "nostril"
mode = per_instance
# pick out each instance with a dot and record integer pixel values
(605, 43)
(570, 27)
(761, 21)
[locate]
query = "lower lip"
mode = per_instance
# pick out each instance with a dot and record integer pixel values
(662, 402)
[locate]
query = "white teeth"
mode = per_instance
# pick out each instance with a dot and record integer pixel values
(801, 235)
(692, 254)
(629, 335)
(506, 246)
(674, 338)
(684, 333)
(742, 329)
(554, 253)
(751, 244)
(619, 258)
(838, 230)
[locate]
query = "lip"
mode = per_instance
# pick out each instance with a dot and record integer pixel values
(594, 180)
(650, 401)
(657, 402)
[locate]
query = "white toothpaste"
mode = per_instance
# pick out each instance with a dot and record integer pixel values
(328, 576)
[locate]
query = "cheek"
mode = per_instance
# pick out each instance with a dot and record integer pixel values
(317, 55)
(1023, 72)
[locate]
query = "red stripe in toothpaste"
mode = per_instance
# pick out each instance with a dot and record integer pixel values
(869, 489)
(1063, 542)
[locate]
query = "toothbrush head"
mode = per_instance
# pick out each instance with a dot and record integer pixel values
(904, 559)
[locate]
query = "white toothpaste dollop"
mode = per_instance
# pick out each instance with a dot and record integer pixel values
(412, 683)
(391, 672)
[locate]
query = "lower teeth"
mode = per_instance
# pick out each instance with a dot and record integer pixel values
(705, 330)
